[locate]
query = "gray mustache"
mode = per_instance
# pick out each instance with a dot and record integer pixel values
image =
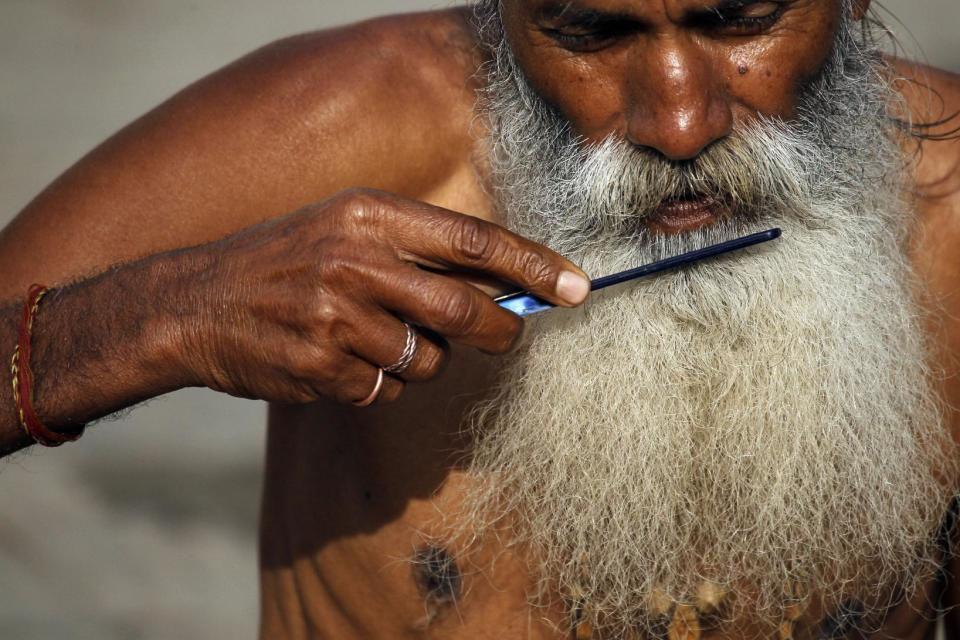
(621, 183)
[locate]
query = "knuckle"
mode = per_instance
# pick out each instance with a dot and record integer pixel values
(536, 271)
(318, 365)
(326, 322)
(324, 313)
(328, 372)
(297, 361)
(476, 240)
(458, 314)
(343, 267)
(430, 363)
(361, 207)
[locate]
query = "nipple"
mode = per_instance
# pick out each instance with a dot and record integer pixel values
(437, 576)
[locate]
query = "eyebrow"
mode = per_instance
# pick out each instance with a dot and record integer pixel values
(726, 5)
(570, 10)
(731, 5)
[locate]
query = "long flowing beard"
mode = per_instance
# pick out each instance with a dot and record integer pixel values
(763, 423)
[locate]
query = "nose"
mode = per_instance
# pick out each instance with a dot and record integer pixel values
(677, 103)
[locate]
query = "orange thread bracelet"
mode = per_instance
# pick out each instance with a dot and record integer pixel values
(23, 378)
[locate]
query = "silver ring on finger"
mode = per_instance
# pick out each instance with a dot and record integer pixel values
(370, 399)
(409, 351)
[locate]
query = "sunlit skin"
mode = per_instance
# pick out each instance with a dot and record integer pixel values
(351, 494)
(674, 76)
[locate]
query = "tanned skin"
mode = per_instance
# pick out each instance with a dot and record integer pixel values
(369, 135)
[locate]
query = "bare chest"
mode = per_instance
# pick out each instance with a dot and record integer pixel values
(353, 540)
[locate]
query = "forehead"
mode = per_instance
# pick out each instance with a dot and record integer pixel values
(717, 25)
(629, 66)
(640, 9)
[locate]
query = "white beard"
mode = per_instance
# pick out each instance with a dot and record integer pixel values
(765, 422)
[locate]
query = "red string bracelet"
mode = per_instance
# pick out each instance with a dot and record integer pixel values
(23, 378)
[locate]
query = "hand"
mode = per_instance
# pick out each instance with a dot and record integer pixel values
(310, 304)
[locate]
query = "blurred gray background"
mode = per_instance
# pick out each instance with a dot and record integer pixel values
(147, 528)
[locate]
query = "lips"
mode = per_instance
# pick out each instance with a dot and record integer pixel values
(685, 214)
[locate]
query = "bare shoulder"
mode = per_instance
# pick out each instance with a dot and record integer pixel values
(386, 104)
(383, 103)
(390, 100)
(403, 76)
(933, 100)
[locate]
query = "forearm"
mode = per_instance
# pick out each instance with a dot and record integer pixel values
(316, 304)
(98, 346)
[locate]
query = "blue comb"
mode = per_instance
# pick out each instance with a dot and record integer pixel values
(523, 303)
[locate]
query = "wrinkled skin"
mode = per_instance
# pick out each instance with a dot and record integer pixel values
(666, 75)
(307, 328)
(296, 309)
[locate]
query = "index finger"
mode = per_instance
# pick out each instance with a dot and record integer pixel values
(445, 238)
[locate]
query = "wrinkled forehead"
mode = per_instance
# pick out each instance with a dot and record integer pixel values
(709, 25)
(672, 9)
(657, 16)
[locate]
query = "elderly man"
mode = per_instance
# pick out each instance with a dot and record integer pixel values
(757, 446)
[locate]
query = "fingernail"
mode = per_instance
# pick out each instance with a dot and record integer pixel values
(572, 287)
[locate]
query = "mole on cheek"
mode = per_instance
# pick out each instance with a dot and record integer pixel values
(437, 575)
(742, 69)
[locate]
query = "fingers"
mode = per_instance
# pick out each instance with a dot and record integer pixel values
(372, 245)
(313, 295)
(432, 236)
(453, 309)
(358, 381)
(468, 242)
(380, 345)
(381, 339)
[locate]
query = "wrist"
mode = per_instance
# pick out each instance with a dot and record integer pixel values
(104, 344)
(22, 379)
(173, 340)
(181, 284)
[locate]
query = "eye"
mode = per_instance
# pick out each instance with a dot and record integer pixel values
(592, 36)
(760, 10)
(750, 18)
(577, 41)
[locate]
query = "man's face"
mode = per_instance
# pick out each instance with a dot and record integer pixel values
(673, 76)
